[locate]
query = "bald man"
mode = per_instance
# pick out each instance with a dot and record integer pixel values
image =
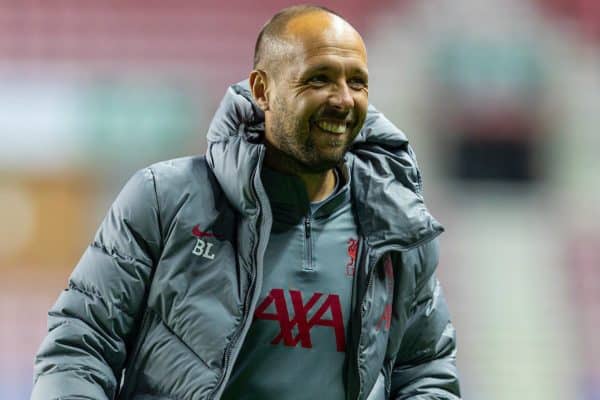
(295, 260)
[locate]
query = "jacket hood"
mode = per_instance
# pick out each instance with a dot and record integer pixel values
(386, 182)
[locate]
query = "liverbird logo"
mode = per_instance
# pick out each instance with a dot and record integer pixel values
(352, 250)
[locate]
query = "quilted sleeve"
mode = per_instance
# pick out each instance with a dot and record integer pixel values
(94, 318)
(425, 367)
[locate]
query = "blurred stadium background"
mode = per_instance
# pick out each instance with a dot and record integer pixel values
(500, 99)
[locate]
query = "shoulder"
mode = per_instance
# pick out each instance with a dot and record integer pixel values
(186, 183)
(181, 177)
(167, 183)
(162, 189)
(179, 171)
(154, 199)
(420, 262)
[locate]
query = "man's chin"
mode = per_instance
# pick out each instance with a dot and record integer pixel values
(324, 164)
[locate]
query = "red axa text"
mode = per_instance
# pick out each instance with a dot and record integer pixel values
(300, 320)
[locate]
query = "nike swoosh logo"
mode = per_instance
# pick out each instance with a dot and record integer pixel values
(200, 234)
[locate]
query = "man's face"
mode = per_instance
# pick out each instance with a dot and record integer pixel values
(319, 96)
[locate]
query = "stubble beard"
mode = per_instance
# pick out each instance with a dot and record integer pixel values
(300, 156)
(294, 150)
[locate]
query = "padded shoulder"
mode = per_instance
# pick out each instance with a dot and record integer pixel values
(187, 180)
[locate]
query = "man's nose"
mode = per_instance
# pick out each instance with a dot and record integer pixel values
(342, 98)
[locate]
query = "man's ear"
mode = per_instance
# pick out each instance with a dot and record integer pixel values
(259, 88)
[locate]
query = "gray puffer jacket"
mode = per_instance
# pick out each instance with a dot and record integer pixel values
(160, 302)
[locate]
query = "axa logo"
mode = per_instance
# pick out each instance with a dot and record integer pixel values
(294, 330)
(203, 247)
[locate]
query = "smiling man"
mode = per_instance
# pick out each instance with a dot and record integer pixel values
(313, 88)
(296, 260)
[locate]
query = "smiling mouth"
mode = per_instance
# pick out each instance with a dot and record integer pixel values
(336, 127)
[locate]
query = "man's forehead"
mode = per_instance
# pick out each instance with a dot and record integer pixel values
(321, 30)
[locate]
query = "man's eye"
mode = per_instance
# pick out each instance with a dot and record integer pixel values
(357, 83)
(318, 80)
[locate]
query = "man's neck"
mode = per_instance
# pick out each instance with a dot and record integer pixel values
(318, 185)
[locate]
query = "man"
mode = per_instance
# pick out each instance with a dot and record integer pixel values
(296, 260)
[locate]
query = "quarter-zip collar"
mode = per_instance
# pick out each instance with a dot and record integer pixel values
(289, 200)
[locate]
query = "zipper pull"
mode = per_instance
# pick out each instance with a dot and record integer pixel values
(307, 227)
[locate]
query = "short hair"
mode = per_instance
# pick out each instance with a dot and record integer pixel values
(275, 27)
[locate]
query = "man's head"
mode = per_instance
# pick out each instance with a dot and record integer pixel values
(310, 78)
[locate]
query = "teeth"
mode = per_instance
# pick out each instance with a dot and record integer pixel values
(332, 126)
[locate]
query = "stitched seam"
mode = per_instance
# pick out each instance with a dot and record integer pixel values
(155, 190)
(114, 254)
(96, 295)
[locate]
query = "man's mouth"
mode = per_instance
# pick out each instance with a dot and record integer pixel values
(332, 127)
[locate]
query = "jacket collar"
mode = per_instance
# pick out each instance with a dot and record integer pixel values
(385, 180)
(290, 202)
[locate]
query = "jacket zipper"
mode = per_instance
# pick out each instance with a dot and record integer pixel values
(236, 337)
(362, 312)
(308, 246)
(252, 289)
